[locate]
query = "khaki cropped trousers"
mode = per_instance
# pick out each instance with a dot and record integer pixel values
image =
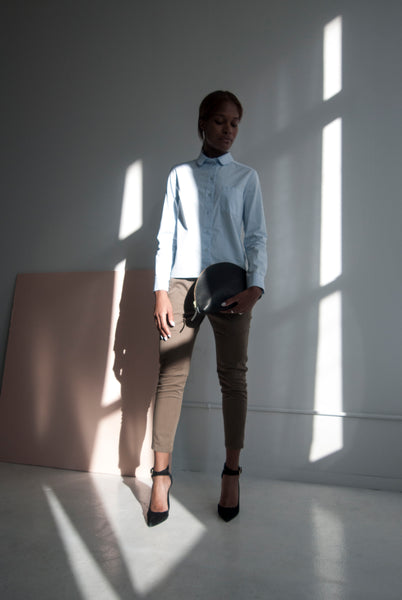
(231, 333)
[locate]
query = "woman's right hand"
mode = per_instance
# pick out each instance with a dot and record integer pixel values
(163, 314)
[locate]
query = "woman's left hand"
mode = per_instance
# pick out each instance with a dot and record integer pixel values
(244, 301)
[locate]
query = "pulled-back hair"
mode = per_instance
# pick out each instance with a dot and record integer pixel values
(212, 102)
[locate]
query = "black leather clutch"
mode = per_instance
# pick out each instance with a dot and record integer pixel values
(216, 284)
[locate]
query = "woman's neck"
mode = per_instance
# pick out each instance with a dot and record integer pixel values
(211, 153)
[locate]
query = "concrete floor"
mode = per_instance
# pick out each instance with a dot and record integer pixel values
(71, 535)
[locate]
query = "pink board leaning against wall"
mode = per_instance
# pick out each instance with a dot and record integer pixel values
(80, 372)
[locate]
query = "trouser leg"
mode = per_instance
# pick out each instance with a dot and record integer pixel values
(174, 365)
(231, 340)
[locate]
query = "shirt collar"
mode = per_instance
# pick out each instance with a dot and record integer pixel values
(224, 159)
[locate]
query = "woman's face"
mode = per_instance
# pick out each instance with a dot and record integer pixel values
(220, 130)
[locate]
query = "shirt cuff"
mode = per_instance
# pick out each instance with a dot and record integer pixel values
(161, 284)
(255, 279)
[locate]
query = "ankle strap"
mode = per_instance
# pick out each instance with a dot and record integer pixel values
(227, 471)
(157, 473)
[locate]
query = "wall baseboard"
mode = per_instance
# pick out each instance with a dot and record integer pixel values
(294, 411)
(357, 451)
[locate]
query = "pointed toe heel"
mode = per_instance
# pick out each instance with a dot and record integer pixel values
(227, 513)
(153, 517)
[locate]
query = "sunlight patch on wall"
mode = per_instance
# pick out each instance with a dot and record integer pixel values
(328, 388)
(332, 80)
(131, 210)
(331, 203)
(328, 430)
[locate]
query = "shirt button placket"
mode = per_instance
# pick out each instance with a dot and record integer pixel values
(209, 201)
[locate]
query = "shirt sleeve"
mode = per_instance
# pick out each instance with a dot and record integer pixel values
(255, 233)
(166, 236)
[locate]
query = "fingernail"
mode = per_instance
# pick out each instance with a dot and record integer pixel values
(169, 336)
(173, 323)
(223, 304)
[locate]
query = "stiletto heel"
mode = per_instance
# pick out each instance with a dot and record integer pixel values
(155, 518)
(227, 513)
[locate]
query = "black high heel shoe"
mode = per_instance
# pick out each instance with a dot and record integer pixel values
(155, 518)
(227, 513)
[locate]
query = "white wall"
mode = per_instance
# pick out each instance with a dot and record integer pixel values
(93, 86)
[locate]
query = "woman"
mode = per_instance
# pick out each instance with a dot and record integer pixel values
(212, 213)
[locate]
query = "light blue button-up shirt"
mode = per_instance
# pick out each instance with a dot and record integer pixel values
(212, 212)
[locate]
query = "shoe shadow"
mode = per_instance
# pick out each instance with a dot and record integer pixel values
(141, 492)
